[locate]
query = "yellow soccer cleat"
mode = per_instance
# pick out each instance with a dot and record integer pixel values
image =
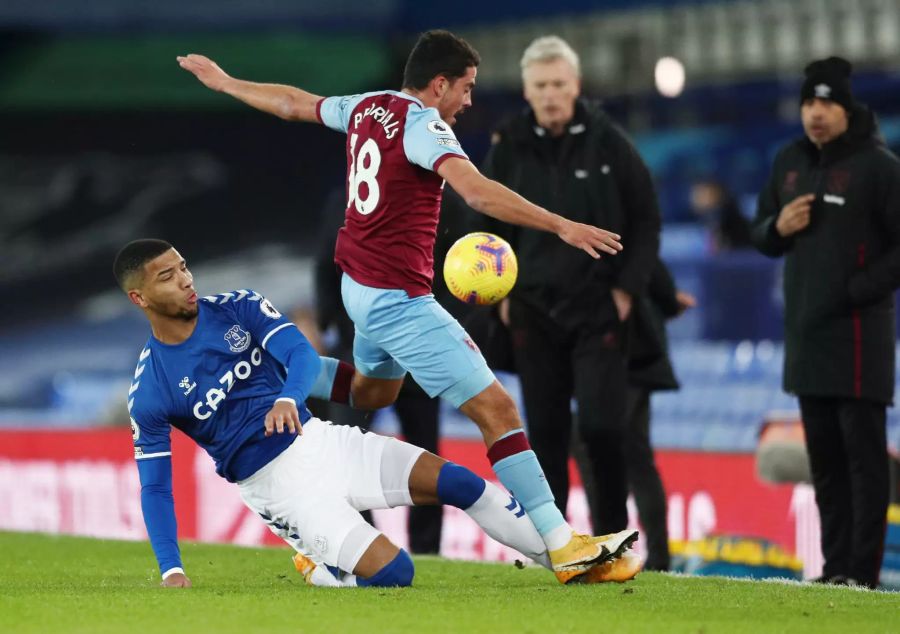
(617, 543)
(305, 566)
(581, 553)
(584, 552)
(620, 570)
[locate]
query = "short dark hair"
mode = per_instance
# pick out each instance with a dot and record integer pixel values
(133, 256)
(438, 52)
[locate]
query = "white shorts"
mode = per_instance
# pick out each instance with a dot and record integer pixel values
(312, 493)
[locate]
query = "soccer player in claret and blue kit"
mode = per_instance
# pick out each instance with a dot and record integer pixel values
(401, 149)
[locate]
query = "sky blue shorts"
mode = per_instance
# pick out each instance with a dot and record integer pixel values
(396, 334)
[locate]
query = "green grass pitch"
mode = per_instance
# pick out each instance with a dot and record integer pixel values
(64, 584)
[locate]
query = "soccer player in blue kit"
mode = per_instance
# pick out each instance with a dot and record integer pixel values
(400, 151)
(233, 374)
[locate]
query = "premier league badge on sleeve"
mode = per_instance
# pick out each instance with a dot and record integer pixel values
(439, 127)
(267, 309)
(238, 339)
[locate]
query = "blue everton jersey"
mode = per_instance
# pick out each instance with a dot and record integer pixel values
(216, 386)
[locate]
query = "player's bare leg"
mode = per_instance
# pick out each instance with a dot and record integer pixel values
(515, 464)
(378, 555)
(340, 382)
(370, 393)
(494, 411)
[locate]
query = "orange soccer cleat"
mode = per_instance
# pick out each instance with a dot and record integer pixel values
(620, 570)
(584, 552)
(305, 566)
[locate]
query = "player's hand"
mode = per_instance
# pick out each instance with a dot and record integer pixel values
(623, 301)
(590, 239)
(204, 69)
(685, 301)
(283, 416)
(794, 216)
(176, 580)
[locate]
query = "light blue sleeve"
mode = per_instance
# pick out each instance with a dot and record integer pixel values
(335, 112)
(428, 139)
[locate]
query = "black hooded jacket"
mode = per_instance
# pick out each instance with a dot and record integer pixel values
(841, 271)
(649, 365)
(591, 174)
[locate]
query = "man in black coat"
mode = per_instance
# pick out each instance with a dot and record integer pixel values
(832, 207)
(568, 314)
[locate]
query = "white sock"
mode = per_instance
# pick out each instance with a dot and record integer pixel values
(322, 577)
(492, 514)
(558, 537)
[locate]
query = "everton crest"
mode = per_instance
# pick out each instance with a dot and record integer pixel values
(237, 338)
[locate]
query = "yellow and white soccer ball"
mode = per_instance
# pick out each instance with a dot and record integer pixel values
(480, 268)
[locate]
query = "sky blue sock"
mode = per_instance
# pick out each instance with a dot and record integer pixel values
(334, 382)
(518, 469)
(321, 389)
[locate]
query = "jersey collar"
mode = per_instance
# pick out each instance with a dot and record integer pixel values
(407, 96)
(186, 342)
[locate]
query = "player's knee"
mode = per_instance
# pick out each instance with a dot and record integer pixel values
(494, 410)
(459, 487)
(398, 573)
(384, 398)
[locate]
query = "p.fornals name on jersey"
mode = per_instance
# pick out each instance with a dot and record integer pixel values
(381, 115)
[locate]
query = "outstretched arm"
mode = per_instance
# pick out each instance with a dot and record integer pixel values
(498, 201)
(286, 102)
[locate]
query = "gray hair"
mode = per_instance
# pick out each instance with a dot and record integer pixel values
(549, 48)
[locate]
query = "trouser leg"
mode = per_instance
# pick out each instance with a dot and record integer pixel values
(644, 481)
(863, 427)
(542, 363)
(600, 373)
(831, 479)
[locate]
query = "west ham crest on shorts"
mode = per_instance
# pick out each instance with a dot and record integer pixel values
(238, 339)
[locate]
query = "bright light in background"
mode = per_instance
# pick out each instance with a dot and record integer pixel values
(669, 76)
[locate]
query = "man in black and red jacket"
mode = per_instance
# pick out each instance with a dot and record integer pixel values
(832, 207)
